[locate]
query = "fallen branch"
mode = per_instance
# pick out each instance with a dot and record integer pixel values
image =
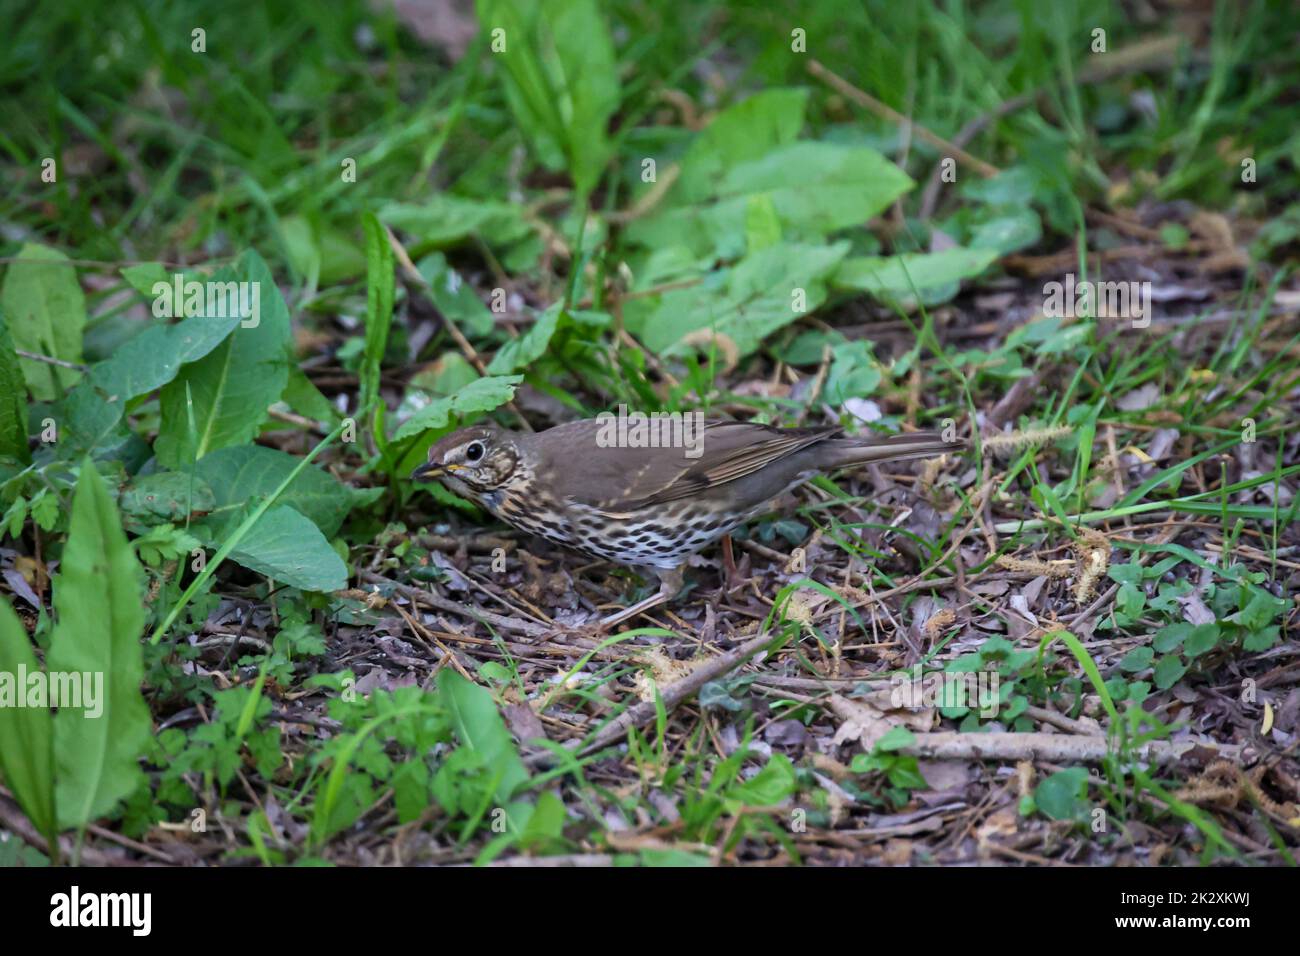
(1057, 748)
(672, 695)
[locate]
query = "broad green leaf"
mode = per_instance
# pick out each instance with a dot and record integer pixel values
(26, 733)
(88, 422)
(166, 496)
(98, 601)
(481, 395)
(815, 189)
(13, 403)
(250, 473)
(1063, 795)
(1137, 659)
(302, 395)
(287, 547)
(1168, 671)
(746, 303)
(478, 725)
(768, 787)
(1202, 638)
(155, 356)
(739, 134)
(933, 276)
(46, 311)
(144, 276)
(529, 347)
(232, 386)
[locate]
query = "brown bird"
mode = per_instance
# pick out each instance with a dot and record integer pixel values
(648, 507)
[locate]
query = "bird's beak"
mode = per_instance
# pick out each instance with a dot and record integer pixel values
(430, 469)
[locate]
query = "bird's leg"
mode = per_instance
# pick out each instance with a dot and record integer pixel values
(670, 582)
(729, 566)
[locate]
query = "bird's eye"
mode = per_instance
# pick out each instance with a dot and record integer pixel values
(474, 452)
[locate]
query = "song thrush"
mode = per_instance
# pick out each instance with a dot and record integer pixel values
(650, 507)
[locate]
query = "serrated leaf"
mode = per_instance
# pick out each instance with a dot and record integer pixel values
(481, 395)
(26, 733)
(46, 311)
(232, 386)
(98, 600)
(287, 547)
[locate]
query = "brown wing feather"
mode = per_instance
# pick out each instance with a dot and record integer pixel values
(624, 479)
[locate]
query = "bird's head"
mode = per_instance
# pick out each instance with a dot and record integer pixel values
(472, 462)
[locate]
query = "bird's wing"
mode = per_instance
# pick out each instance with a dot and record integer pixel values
(619, 479)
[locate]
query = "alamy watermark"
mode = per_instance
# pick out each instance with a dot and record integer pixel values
(977, 690)
(654, 430)
(74, 690)
(1103, 300)
(218, 300)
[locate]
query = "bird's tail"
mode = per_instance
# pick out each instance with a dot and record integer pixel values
(861, 451)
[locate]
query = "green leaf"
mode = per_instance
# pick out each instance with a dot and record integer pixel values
(560, 79)
(1063, 795)
(1168, 671)
(455, 298)
(895, 738)
(234, 384)
(814, 188)
(1202, 639)
(302, 395)
(747, 131)
(26, 733)
(379, 307)
(1170, 638)
(13, 404)
(250, 473)
(930, 277)
(98, 600)
(288, 548)
(481, 395)
(444, 220)
(168, 495)
(1137, 659)
(46, 312)
(746, 303)
(769, 786)
(144, 276)
(529, 347)
(155, 356)
(1262, 639)
(546, 823)
(478, 725)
